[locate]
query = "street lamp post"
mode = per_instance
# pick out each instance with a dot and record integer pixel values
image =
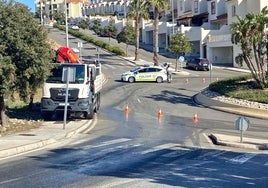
(41, 12)
(66, 24)
(172, 7)
(68, 70)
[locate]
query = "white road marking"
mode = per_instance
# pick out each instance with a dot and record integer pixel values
(160, 147)
(116, 141)
(243, 158)
(213, 153)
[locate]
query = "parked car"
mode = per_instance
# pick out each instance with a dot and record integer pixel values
(145, 73)
(74, 27)
(198, 64)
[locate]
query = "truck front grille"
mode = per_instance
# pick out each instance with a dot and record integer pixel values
(58, 94)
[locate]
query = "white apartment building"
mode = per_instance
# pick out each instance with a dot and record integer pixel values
(75, 8)
(220, 49)
(206, 23)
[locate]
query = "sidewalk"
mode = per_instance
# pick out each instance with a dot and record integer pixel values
(49, 133)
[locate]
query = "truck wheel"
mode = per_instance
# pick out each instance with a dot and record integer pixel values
(90, 113)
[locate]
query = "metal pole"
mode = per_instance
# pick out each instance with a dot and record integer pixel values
(166, 30)
(210, 71)
(66, 99)
(98, 51)
(80, 49)
(51, 5)
(66, 24)
(41, 11)
(172, 4)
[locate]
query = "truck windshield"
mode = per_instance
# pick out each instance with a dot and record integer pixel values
(59, 74)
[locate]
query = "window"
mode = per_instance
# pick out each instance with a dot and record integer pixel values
(195, 6)
(143, 70)
(233, 10)
(153, 70)
(213, 8)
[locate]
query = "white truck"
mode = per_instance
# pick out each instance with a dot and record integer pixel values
(84, 85)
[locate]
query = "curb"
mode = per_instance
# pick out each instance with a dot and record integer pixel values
(201, 99)
(25, 148)
(42, 143)
(256, 146)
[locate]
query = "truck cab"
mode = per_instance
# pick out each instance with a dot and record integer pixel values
(83, 81)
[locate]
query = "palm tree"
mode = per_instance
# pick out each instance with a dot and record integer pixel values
(159, 6)
(138, 10)
(249, 32)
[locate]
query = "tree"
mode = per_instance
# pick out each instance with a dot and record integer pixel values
(127, 35)
(59, 16)
(25, 55)
(159, 6)
(96, 27)
(84, 24)
(138, 10)
(250, 33)
(179, 45)
(110, 31)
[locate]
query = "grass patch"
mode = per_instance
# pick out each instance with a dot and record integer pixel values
(241, 87)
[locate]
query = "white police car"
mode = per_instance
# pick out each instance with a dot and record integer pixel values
(145, 73)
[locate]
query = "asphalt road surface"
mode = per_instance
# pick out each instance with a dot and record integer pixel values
(141, 150)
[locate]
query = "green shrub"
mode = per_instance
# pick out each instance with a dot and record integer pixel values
(241, 87)
(118, 51)
(99, 43)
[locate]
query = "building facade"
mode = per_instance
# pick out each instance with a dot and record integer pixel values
(48, 7)
(206, 23)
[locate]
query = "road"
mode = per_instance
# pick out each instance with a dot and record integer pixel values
(141, 150)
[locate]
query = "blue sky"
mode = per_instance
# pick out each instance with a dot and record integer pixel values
(29, 3)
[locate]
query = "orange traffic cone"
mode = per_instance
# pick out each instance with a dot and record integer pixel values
(186, 81)
(126, 112)
(195, 119)
(126, 109)
(159, 114)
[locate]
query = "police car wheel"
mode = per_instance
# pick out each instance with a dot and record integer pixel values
(131, 79)
(159, 79)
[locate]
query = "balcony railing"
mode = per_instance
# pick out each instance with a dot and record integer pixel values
(219, 38)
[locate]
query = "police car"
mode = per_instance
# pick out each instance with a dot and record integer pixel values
(145, 73)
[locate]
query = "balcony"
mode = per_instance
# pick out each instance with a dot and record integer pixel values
(219, 38)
